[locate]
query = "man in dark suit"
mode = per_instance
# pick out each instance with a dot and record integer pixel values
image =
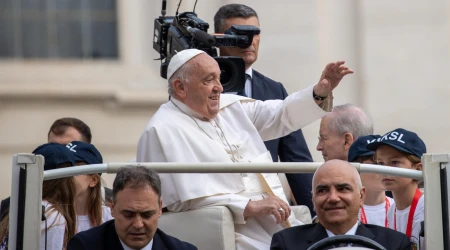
(337, 196)
(136, 207)
(291, 148)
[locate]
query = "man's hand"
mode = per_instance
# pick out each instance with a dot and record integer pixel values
(267, 206)
(331, 76)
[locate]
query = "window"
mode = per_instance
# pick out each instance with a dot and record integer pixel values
(58, 29)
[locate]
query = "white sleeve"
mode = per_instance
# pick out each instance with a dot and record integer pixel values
(149, 147)
(419, 216)
(56, 227)
(106, 214)
(276, 118)
(236, 204)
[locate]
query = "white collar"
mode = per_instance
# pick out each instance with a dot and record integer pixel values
(184, 108)
(225, 100)
(148, 247)
(352, 231)
(249, 72)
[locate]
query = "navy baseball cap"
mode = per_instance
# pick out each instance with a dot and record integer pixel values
(403, 140)
(358, 148)
(85, 152)
(54, 154)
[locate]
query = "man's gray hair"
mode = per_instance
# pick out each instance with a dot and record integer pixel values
(352, 119)
(231, 11)
(136, 177)
(182, 73)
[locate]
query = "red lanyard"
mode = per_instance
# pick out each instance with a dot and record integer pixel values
(411, 214)
(364, 217)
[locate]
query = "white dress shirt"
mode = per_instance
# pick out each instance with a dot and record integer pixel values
(148, 247)
(352, 231)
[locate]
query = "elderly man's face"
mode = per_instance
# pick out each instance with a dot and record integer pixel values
(331, 144)
(202, 92)
(336, 196)
(136, 213)
(249, 54)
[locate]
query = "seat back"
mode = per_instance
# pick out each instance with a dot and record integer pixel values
(206, 228)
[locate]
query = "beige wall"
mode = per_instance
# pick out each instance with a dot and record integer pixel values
(399, 50)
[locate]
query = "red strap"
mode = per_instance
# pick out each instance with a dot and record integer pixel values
(388, 204)
(415, 200)
(364, 217)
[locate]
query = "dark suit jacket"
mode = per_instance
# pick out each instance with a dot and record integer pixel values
(104, 237)
(291, 148)
(302, 237)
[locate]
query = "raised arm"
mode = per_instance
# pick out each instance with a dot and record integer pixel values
(276, 118)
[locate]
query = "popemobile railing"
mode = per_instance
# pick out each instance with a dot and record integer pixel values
(28, 175)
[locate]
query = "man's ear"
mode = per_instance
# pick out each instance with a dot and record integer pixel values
(111, 207)
(179, 88)
(348, 140)
(362, 195)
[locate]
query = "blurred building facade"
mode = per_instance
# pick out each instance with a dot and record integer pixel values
(94, 60)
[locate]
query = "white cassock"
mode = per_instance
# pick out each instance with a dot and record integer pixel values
(178, 134)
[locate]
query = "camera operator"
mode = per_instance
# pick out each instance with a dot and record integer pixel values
(290, 148)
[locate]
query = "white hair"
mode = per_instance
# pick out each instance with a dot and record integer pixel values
(349, 118)
(182, 74)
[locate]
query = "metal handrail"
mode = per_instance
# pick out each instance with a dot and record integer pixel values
(219, 167)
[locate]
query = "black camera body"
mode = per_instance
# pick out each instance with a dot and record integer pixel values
(186, 31)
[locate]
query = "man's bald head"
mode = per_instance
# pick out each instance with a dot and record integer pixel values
(339, 166)
(338, 195)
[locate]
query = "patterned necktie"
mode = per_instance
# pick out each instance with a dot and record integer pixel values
(242, 92)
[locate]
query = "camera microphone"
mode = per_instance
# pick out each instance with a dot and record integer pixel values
(201, 36)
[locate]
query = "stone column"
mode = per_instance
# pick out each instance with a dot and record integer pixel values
(339, 26)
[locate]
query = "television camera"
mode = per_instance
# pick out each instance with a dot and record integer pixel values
(186, 31)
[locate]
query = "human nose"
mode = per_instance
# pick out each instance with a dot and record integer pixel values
(138, 223)
(219, 86)
(333, 196)
(319, 146)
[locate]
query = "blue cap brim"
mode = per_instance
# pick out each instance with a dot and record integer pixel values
(363, 154)
(374, 145)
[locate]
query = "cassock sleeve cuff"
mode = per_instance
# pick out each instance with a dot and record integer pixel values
(300, 109)
(237, 208)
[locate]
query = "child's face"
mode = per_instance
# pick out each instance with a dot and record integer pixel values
(372, 182)
(389, 156)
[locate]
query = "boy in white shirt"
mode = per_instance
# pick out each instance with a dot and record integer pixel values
(376, 203)
(403, 149)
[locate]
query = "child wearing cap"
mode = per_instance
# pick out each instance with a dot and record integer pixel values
(403, 149)
(90, 208)
(376, 203)
(58, 199)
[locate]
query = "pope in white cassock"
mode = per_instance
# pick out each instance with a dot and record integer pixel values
(199, 124)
